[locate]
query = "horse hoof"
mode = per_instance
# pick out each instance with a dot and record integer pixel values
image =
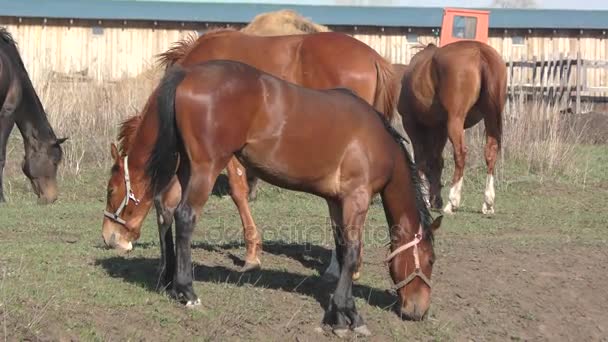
(250, 266)
(341, 332)
(356, 276)
(362, 330)
(487, 210)
(193, 303)
(448, 209)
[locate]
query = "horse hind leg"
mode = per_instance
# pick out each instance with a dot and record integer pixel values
(456, 136)
(165, 204)
(238, 192)
(196, 182)
(491, 151)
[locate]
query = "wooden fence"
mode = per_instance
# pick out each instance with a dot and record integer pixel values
(561, 83)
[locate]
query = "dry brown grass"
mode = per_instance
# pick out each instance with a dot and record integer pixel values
(89, 114)
(544, 142)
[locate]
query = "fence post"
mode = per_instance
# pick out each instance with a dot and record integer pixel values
(578, 81)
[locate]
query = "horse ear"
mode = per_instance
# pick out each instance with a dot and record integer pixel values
(436, 223)
(114, 151)
(60, 141)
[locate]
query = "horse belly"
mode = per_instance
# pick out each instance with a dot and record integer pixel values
(290, 169)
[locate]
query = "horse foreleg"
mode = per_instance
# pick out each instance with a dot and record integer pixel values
(6, 126)
(342, 312)
(491, 150)
(238, 191)
(456, 136)
(332, 272)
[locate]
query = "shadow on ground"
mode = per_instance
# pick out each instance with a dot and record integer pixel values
(144, 272)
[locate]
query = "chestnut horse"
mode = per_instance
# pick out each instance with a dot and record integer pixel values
(287, 134)
(444, 91)
(321, 60)
(19, 104)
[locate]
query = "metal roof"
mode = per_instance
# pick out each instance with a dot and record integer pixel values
(233, 13)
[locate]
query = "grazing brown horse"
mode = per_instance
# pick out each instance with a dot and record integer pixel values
(287, 134)
(318, 61)
(444, 91)
(19, 104)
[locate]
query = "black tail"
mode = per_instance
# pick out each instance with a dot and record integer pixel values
(162, 162)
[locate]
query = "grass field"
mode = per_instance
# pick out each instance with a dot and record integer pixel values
(536, 270)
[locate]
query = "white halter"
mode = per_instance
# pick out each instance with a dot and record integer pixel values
(417, 271)
(129, 195)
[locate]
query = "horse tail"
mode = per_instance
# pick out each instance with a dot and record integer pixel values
(163, 159)
(387, 89)
(494, 85)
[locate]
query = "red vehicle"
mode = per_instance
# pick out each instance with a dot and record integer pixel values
(464, 24)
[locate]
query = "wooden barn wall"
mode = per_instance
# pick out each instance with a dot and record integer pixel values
(126, 49)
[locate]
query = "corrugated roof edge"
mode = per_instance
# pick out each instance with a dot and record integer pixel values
(328, 15)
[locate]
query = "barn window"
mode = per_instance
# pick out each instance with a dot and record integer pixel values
(97, 30)
(518, 40)
(464, 27)
(411, 38)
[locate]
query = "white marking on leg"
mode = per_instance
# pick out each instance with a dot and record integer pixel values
(239, 171)
(454, 199)
(489, 196)
(333, 270)
(193, 303)
(161, 220)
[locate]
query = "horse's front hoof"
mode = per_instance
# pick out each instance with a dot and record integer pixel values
(362, 330)
(192, 303)
(250, 266)
(341, 332)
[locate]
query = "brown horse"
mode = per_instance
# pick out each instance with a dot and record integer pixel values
(19, 104)
(444, 91)
(323, 60)
(287, 134)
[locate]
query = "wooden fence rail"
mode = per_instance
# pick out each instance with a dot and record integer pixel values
(558, 82)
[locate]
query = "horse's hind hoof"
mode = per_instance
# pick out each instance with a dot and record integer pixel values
(341, 332)
(487, 210)
(250, 266)
(356, 276)
(362, 330)
(193, 303)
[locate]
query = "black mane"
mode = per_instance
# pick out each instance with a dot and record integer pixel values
(425, 215)
(8, 45)
(7, 38)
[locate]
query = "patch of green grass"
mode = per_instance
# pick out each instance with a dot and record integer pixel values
(58, 281)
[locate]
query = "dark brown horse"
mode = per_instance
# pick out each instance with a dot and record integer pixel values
(288, 135)
(318, 61)
(19, 104)
(444, 91)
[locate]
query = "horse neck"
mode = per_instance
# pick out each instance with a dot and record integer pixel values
(400, 203)
(143, 142)
(31, 118)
